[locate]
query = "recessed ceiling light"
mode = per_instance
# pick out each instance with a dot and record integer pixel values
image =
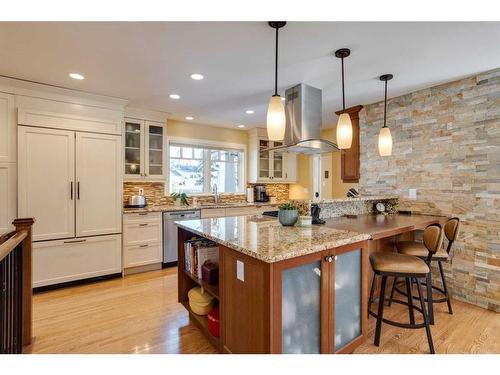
(189, 118)
(197, 76)
(174, 96)
(241, 126)
(76, 76)
(249, 111)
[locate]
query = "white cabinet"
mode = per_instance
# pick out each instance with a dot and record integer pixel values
(61, 261)
(142, 239)
(7, 128)
(7, 196)
(98, 184)
(270, 166)
(145, 150)
(65, 175)
(46, 181)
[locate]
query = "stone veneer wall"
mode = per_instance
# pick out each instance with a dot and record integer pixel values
(446, 144)
(155, 194)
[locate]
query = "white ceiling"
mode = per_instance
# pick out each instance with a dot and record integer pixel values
(145, 62)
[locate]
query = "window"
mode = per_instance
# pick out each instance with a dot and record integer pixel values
(196, 169)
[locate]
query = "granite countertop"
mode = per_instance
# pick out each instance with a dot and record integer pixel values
(166, 208)
(265, 239)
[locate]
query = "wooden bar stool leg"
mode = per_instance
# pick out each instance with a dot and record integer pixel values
(426, 320)
(392, 291)
(380, 313)
(410, 300)
(429, 297)
(450, 310)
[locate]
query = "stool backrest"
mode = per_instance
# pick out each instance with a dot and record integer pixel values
(451, 230)
(433, 239)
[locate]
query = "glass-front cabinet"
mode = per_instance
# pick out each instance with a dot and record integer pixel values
(269, 166)
(321, 306)
(144, 150)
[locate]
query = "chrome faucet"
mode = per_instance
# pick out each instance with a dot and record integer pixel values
(216, 195)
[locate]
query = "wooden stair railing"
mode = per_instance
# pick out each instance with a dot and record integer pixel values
(16, 288)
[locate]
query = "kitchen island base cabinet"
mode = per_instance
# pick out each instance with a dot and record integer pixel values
(308, 304)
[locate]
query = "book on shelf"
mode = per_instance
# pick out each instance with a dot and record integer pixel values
(196, 252)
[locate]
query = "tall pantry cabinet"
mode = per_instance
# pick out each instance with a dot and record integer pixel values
(70, 180)
(8, 169)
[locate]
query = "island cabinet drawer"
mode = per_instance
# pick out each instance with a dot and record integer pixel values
(141, 233)
(142, 217)
(213, 212)
(141, 255)
(240, 211)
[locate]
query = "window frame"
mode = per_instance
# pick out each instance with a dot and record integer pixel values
(207, 144)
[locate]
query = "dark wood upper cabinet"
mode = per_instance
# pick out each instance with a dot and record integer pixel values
(350, 158)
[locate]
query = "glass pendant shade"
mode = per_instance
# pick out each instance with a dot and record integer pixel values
(385, 142)
(344, 131)
(276, 119)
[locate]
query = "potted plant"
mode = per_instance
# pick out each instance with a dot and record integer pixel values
(180, 199)
(287, 214)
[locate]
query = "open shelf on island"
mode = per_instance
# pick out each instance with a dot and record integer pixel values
(202, 322)
(213, 290)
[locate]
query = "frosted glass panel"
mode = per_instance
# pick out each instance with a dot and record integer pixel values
(301, 309)
(347, 297)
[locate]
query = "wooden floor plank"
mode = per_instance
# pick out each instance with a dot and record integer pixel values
(140, 314)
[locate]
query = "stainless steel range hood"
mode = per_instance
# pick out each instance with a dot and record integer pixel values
(303, 110)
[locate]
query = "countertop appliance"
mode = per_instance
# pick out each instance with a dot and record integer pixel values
(137, 201)
(270, 213)
(315, 211)
(260, 193)
(170, 233)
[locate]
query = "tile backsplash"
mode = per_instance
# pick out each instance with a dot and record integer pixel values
(280, 191)
(155, 194)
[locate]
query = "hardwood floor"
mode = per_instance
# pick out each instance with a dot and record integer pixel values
(140, 314)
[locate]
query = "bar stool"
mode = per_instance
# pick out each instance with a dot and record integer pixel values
(420, 250)
(386, 264)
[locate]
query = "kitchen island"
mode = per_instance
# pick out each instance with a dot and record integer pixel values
(281, 289)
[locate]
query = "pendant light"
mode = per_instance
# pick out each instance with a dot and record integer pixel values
(276, 120)
(384, 137)
(344, 125)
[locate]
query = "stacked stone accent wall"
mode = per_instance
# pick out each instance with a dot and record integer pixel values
(447, 146)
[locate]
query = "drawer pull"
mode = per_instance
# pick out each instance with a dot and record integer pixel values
(77, 241)
(144, 245)
(143, 213)
(143, 225)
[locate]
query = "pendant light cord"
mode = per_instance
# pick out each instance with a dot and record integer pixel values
(385, 105)
(343, 93)
(276, 66)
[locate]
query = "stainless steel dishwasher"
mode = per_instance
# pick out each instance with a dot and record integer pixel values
(170, 233)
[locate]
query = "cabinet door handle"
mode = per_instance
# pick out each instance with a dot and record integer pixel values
(71, 190)
(329, 258)
(144, 245)
(78, 190)
(76, 241)
(143, 225)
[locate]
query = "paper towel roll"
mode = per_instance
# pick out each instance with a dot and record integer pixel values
(250, 195)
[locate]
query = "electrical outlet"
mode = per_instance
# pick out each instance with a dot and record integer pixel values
(412, 193)
(240, 270)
